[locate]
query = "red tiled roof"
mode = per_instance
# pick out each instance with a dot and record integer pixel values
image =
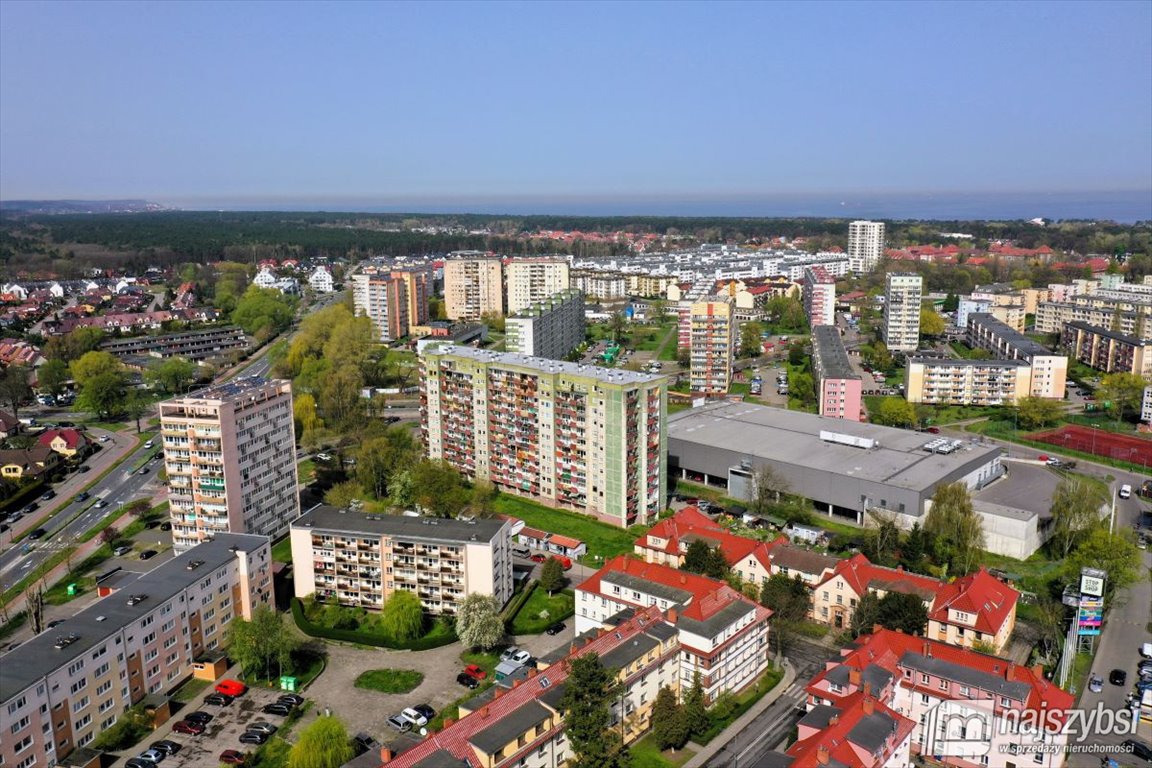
(861, 574)
(834, 740)
(533, 533)
(690, 521)
(979, 593)
(698, 585)
(71, 437)
(565, 541)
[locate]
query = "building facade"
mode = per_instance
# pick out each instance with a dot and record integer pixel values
(530, 281)
(321, 280)
(819, 291)
(551, 328)
(1106, 350)
(903, 292)
(839, 388)
(1136, 321)
(361, 560)
(1049, 371)
(61, 688)
(395, 302)
(230, 455)
(865, 245)
(951, 381)
(712, 338)
(577, 436)
(473, 287)
(600, 285)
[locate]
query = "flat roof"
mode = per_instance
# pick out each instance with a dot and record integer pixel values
(828, 348)
(793, 437)
(39, 656)
(229, 390)
(543, 364)
(1107, 333)
(1013, 337)
(964, 362)
(326, 518)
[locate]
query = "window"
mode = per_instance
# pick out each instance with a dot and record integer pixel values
(23, 744)
(924, 698)
(80, 704)
(924, 678)
(27, 762)
(965, 690)
(78, 686)
(21, 724)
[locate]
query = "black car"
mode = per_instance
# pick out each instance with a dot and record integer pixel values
(199, 717)
(556, 628)
(49, 494)
(165, 526)
(139, 762)
(426, 711)
(83, 496)
(82, 468)
(1118, 677)
(166, 746)
(4, 527)
(1137, 749)
(38, 533)
(291, 699)
(467, 680)
(218, 700)
(53, 624)
(277, 708)
(253, 737)
(148, 554)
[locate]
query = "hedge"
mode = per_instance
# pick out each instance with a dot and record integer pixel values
(353, 636)
(35, 488)
(517, 602)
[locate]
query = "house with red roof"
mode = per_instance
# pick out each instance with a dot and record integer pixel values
(858, 731)
(551, 542)
(66, 442)
(723, 635)
(939, 686)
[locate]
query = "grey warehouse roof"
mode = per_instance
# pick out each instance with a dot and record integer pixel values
(792, 437)
(544, 365)
(325, 518)
(104, 618)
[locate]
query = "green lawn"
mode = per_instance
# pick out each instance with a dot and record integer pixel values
(602, 539)
(541, 611)
(282, 550)
(389, 680)
(192, 688)
(305, 470)
(645, 754)
(486, 660)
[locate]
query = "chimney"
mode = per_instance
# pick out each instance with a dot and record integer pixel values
(822, 756)
(853, 676)
(484, 712)
(601, 632)
(869, 705)
(834, 719)
(531, 672)
(448, 721)
(386, 755)
(516, 683)
(672, 615)
(1009, 670)
(683, 579)
(499, 692)
(927, 649)
(574, 647)
(867, 689)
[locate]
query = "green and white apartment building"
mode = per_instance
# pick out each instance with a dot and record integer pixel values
(577, 436)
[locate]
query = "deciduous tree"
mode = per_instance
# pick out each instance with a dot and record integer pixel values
(790, 601)
(588, 696)
(403, 616)
(551, 575)
(1114, 553)
(750, 342)
(478, 622)
(1037, 412)
(261, 643)
(895, 412)
(931, 324)
(173, 375)
(1075, 510)
(14, 388)
(324, 743)
(1124, 390)
(902, 611)
(956, 530)
(52, 376)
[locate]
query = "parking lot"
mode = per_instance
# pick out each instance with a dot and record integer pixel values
(222, 733)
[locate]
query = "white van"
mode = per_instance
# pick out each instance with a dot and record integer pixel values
(1125, 491)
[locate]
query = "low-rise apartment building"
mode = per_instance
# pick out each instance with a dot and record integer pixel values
(360, 560)
(839, 388)
(1049, 371)
(551, 328)
(194, 345)
(599, 285)
(1107, 350)
(951, 381)
(61, 688)
(997, 705)
(722, 634)
(858, 731)
(1136, 321)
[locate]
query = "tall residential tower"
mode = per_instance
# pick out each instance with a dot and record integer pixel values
(903, 292)
(473, 287)
(865, 245)
(529, 281)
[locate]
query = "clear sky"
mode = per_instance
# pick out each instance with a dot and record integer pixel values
(201, 103)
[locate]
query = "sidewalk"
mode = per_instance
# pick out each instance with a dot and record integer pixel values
(704, 754)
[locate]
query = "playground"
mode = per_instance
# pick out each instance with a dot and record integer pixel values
(1097, 442)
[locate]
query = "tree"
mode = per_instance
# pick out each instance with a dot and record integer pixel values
(403, 616)
(882, 539)
(262, 312)
(109, 534)
(902, 611)
(551, 575)
(895, 412)
(669, 725)
(767, 487)
(866, 616)
(618, 328)
(381, 458)
(790, 601)
(137, 507)
(786, 314)
(587, 701)
(914, 548)
(438, 488)
(494, 320)
(173, 375)
(1049, 619)
(952, 302)
(658, 311)
(34, 604)
(340, 399)
(695, 710)
(308, 421)
(797, 354)
(14, 389)
(931, 324)
(750, 343)
(93, 364)
(696, 557)
(1075, 509)
(1036, 412)
(478, 622)
(877, 355)
(483, 503)
(258, 644)
(52, 376)
(1124, 390)
(136, 404)
(1114, 553)
(684, 356)
(103, 394)
(955, 528)
(323, 744)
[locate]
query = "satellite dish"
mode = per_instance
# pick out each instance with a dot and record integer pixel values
(423, 731)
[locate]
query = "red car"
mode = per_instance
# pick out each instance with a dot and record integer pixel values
(565, 562)
(192, 729)
(537, 558)
(232, 757)
(231, 688)
(474, 671)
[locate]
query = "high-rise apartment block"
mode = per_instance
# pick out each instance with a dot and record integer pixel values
(819, 296)
(903, 292)
(230, 455)
(577, 436)
(395, 301)
(473, 287)
(712, 329)
(361, 560)
(865, 245)
(62, 688)
(550, 328)
(529, 281)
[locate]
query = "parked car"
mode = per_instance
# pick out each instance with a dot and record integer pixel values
(199, 716)
(538, 558)
(138, 763)
(149, 444)
(121, 551)
(1118, 677)
(522, 552)
(1125, 491)
(516, 655)
(148, 554)
(1095, 684)
(217, 700)
(261, 726)
(231, 688)
(277, 708)
(467, 680)
(400, 723)
(564, 560)
(165, 526)
(291, 699)
(426, 711)
(414, 717)
(324, 457)
(167, 746)
(232, 757)
(253, 737)
(184, 726)
(48, 494)
(1137, 748)
(475, 671)
(152, 755)
(556, 628)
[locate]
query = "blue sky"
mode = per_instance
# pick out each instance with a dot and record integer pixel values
(202, 103)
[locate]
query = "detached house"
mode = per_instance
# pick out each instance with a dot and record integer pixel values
(66, 442)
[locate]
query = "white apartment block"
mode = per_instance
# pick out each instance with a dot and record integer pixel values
(530, 281)
(1048, 372)
(604, 286)
(321, 280)
(550, 328)
(60, 689)
(712, 340)
(903, 292)
(473, 287)
(1051, 317)
(969, 305)
(865, 245)
(361, 560)
(1146, 406)
(819, 293)
(230, 455)
(948, 381)
(575, 436)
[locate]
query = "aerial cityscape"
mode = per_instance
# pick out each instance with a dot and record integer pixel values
(549, 385)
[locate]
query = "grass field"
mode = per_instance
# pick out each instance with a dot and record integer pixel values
(541, 611)
(389, 680)
(602, 539)
(645, 754)
(282, 550)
